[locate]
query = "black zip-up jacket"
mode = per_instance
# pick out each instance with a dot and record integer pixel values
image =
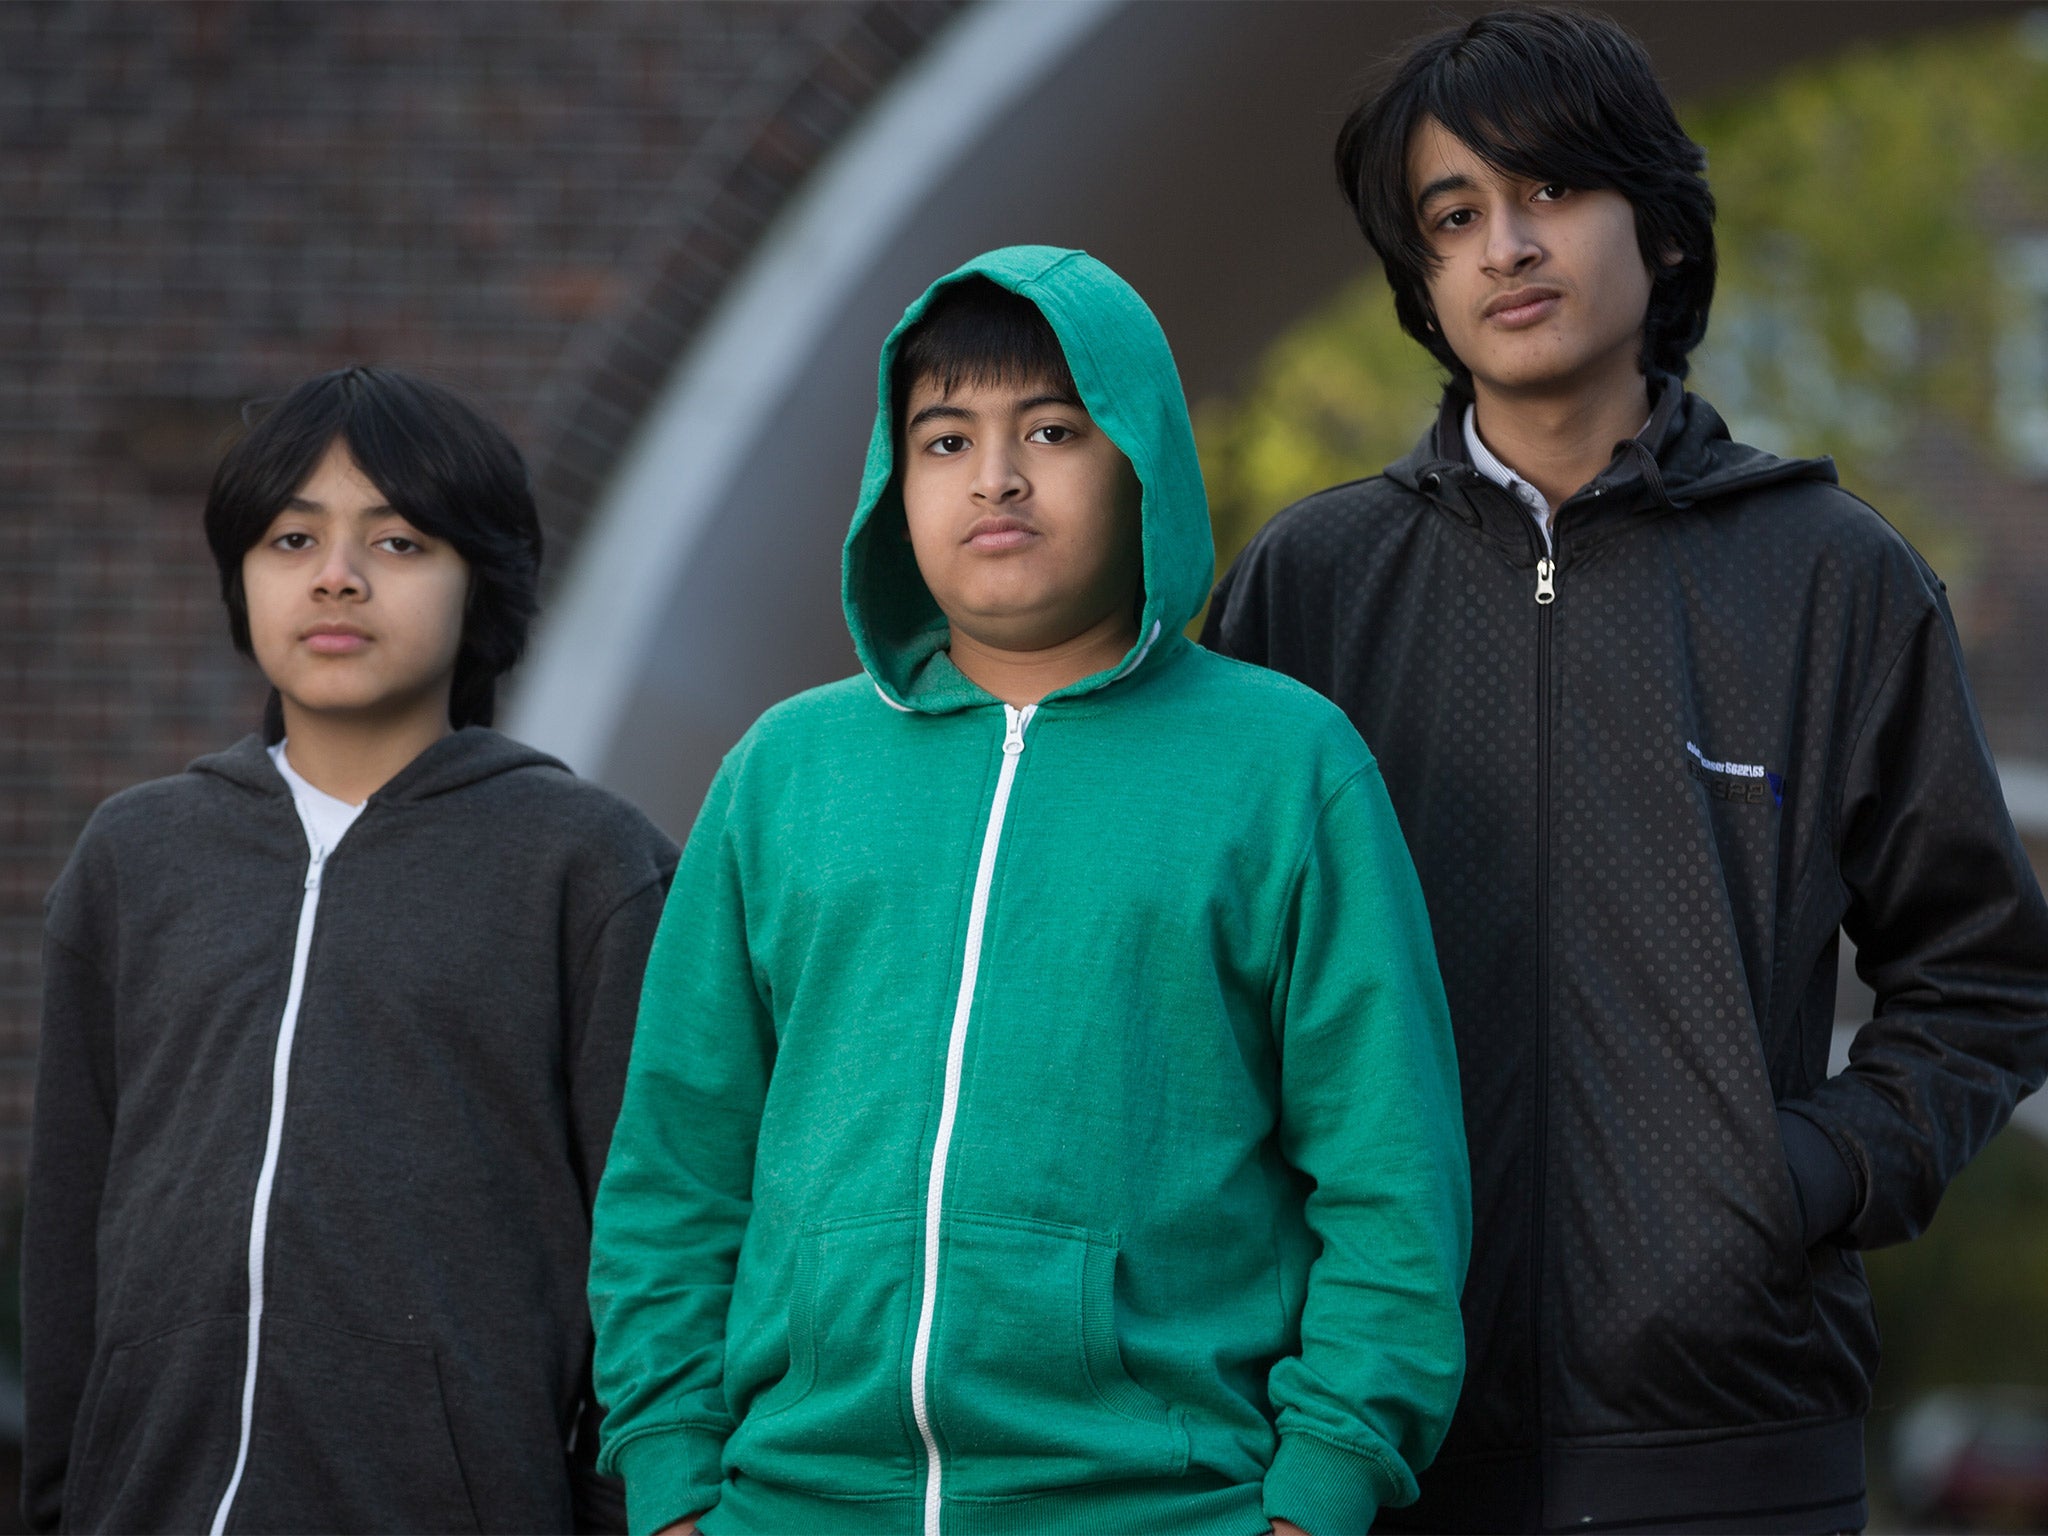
(417, 1355)
(1646, 784)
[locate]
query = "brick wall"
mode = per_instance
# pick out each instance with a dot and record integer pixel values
(201, 203)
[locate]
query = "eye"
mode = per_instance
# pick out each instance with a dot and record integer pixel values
(1051, 432)
(399, 544)
(1457, 218)
(1552, 191)
(294, 541)
(947, 444)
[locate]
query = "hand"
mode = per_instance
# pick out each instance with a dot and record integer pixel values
(1287, 1528)
(685, 1527)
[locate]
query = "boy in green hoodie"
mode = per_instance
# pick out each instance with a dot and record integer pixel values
(1043, 1114)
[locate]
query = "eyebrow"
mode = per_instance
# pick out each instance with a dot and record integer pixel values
(943, 412)
(1440, 186)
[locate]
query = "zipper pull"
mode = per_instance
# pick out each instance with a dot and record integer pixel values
(313, 869)
(1014, 721)
(1546, 587)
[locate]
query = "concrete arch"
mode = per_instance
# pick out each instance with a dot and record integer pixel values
(1186, 145)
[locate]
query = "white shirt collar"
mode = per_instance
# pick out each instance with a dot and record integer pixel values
(1483, 460)
(1487, 464)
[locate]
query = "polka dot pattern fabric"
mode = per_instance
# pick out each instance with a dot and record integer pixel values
(1642, 813)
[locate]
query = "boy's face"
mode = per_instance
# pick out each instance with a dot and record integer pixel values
(1024, 516)
(352, 610)
(1539, 288)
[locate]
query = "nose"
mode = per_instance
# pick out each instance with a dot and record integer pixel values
(339, 575)
(1511, 245)
(997, 476)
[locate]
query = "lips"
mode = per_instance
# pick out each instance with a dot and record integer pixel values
(1523, 307)
(334, 640)
(995, 534)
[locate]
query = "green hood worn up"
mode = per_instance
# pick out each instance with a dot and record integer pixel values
(1119, 360)
(1040, 1119)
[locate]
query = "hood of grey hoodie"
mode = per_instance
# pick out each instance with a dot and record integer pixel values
(457, 760)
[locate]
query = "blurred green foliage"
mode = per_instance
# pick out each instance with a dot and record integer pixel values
(1341, 395)
(1864, 206)
(1969, 1301)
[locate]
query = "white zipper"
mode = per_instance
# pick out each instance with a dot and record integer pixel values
(1546, 583)
(1014, 722)
(266, 1179)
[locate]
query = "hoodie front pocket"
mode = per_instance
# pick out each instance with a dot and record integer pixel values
(1028, 1382)
(838, 1420)
(160, 1440)
(351, 1434)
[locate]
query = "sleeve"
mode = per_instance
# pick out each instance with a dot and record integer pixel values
(1235, 624)
(604, 998)
(1952, 935)
(1370, 1112)
(604, 1003)
(677, 1189)
(69, 1141)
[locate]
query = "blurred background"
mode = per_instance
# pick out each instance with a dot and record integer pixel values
(661, 242)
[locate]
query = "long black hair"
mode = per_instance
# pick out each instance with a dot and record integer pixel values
(440, 463)
(1551, 95)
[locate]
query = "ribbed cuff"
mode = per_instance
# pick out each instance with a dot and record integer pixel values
(670, 1475)
(1325, 1489)
(1821, 1176)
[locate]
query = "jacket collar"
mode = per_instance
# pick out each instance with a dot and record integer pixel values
(1682, 458)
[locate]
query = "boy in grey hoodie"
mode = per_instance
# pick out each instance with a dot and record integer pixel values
(335, 1028)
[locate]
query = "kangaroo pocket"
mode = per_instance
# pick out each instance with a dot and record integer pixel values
(838, 1420)
(1027, 1379)
(351, 1434)
(160, 1435)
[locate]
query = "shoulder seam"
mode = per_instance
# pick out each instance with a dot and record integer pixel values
(78, 954)
(1308, 843)
(599, 925)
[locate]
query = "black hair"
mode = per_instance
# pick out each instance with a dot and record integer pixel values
(1544, 94)
(442, 465)
(978, 332)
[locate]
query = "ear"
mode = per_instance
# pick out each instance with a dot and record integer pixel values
(1672, 256)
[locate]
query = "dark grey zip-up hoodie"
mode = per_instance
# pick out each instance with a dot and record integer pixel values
(313, 1258)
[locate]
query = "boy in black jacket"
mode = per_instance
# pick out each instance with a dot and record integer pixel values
(335, 1028)
(1661, 715)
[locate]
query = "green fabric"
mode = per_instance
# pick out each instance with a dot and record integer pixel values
(1205, 1194)
(1327, 1489)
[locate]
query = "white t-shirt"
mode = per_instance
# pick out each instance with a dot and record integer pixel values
(326, 819)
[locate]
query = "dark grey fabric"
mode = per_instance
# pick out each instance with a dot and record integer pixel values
(461, 1048)
(1641, 814)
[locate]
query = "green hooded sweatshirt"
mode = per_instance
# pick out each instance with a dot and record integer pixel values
(1041, 1119)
